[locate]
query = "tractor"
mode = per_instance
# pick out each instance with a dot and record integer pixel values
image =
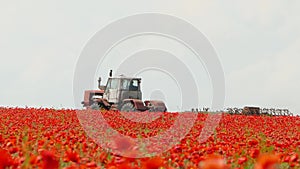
(120, 93)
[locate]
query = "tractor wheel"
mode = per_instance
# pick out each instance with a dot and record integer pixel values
(128, 107)
(95, 106)
(151, 109)
(98, 106)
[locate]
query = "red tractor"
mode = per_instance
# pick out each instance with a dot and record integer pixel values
(120, 93)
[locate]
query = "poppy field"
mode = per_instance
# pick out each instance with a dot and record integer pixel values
(50, 139)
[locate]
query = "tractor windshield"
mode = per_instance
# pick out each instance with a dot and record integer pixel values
(112, 84)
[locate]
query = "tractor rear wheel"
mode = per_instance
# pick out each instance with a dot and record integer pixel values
(128, 107)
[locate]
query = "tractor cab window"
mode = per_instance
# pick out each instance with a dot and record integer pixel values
(112, 84)
(125, 84)
(130, 84)
(134, 85)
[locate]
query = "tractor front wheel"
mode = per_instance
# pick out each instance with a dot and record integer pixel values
(98, 106)
(95, 106)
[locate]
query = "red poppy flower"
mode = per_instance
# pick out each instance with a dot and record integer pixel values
(153, 163)
(72, 156)
(5, 159)
(49, 160)
(267, 161)
(242, 160)
(214, 162)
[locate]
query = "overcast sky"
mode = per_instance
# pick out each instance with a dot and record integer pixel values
(257, 41)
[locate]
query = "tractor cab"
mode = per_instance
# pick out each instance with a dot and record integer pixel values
(120, 88)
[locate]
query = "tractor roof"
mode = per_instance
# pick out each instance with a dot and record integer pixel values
(124, 77)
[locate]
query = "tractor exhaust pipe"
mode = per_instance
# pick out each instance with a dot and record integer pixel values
(110, 73)
(99, 83)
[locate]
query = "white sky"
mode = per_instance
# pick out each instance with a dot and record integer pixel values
(258, 43)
